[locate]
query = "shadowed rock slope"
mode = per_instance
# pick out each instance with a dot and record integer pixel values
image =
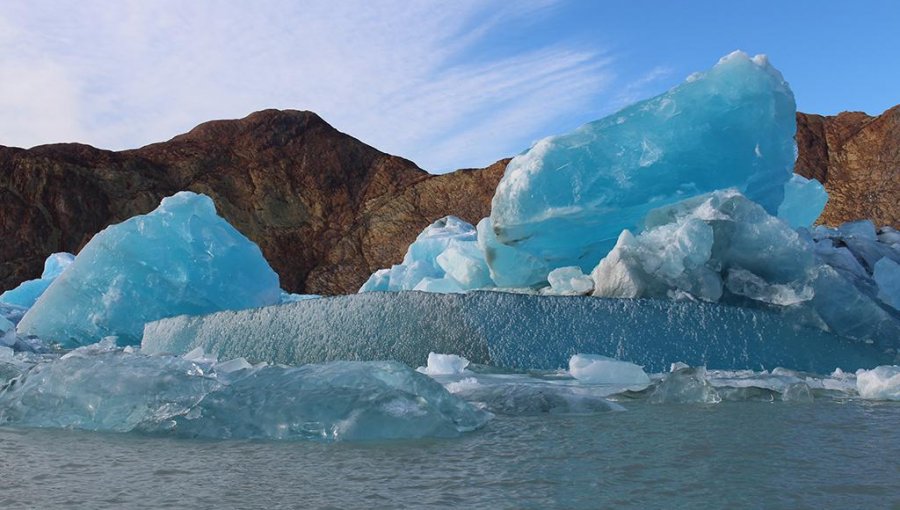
(326, 209)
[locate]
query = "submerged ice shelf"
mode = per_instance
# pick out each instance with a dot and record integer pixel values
(509, 330)
(104, 388)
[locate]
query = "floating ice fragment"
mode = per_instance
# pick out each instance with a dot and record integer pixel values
(881, 383)
(595, 369)
(182, 258)
(444, 364)
(565, 201)
(685, 386)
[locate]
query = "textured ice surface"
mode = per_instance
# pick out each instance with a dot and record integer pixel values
(98, 388)
(566, 200)
(881, 383)
(181, 258)
(444, 258)
(593, 368)
(723, 247)
(27, 292)
(511, 331)
(804, 201)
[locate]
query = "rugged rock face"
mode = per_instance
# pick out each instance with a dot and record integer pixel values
(857, 158)
(326, 209)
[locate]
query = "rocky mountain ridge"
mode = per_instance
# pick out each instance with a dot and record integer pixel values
(325, 208)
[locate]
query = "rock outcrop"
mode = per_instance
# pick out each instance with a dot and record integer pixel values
(326, 209)
(857, 158)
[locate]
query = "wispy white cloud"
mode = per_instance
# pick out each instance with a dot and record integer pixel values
(415, 79)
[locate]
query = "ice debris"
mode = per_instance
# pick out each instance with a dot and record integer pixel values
(569, 281)
(565, 201)
(29, 291)
(685, 386)
(444, 364)
(722, 247)
(109, 389)
(516, 331)
(804, 201)
(181, 258)
(444, 258)
(596, 369)
(880, 383)
(887, 276)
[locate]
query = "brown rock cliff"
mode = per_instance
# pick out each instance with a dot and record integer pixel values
(326, 209)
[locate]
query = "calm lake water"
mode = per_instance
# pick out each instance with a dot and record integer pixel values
(825, 454)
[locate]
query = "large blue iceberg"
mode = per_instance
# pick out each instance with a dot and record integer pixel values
(565, 201)
(181, 258)
(510, 330)
(99, 388)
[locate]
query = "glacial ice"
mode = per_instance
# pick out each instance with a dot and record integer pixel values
(29, 291)
(721, 247)
(887, 276)
(444, 258)
(596, 369)
(565, 201)
(181, 258)
(880, 383)
(103, 388)
(506, 330)
(804, 201)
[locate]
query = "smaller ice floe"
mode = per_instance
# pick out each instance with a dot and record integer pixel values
(887, 275)
(104, 388)
(25, 295)
(804, 201)
(595, 369)
(880, 383)
(181, 258)
(444, 364)
(444, 258)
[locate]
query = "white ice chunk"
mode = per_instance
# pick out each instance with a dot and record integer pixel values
(444, 364)
(569, 281)
(881, 383)
(595, 369)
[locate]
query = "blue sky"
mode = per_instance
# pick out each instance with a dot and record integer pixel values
(447, 84)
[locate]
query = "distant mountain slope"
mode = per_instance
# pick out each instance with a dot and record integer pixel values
(327, 209)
